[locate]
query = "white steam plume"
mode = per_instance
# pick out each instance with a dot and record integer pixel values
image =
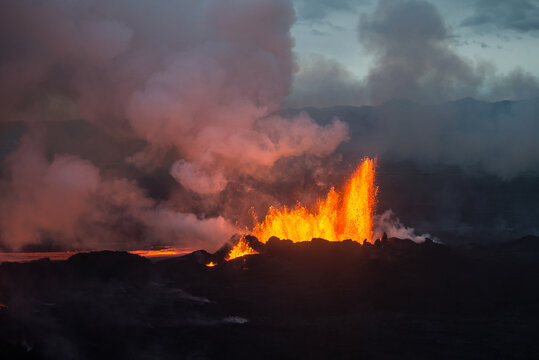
(389, 223)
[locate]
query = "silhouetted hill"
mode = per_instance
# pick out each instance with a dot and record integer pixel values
(316, 299)
(527, 243)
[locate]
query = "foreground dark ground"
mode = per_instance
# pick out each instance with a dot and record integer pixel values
(322, 300)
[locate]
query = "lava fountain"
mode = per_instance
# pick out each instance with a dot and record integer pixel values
(242, 248)
(342, 215)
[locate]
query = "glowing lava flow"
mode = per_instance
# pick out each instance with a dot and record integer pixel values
(240, 249)
(346, 215)
(341, 216)
(165, 251)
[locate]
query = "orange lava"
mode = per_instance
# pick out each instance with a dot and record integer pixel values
(341, 216)
(166, 251)
(242, 248)
(31, 256)
(63, 255)
(211, 264)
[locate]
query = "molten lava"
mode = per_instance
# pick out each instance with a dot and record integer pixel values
(163, 252)
(345, 215)
(211, 264)
(341, 216)
(240, 249)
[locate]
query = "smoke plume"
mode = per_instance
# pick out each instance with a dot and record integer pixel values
(67, 203)
(390, 224)
(200, 82)
(204, 83)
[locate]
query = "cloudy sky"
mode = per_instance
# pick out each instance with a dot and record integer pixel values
(502, 36)
(200, 87)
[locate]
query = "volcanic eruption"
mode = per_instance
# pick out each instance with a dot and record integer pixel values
(178, 175)
(347, 214)
(344, 215)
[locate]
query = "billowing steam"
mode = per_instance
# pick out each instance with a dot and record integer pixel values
(199, 81)
(212, 102)
(204, 83)
(390, 224)
(67, 203)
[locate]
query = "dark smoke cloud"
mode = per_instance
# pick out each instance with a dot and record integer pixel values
(478, 137)
(518, 84)
(413, 58)
(325, 82)
(410, 42)
(462, 171)
(519, 15)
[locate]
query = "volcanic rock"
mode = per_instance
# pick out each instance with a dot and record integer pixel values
(314, 299)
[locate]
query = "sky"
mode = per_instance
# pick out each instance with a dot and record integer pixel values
(504, 34)
(199, 88)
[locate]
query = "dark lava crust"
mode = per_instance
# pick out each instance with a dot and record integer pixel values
(312, 300)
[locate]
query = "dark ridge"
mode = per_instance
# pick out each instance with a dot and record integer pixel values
(109, 265)
(527, 243)
(315, 299)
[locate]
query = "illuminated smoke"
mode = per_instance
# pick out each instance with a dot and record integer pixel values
(200, 81)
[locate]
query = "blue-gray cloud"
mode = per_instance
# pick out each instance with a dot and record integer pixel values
(413, 58)
(324, 82)
(518, 15)
(319, 9)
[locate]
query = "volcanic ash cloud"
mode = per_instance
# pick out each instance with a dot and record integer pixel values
(201, 81)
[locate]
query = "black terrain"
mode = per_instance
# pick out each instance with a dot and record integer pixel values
(311, 300)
